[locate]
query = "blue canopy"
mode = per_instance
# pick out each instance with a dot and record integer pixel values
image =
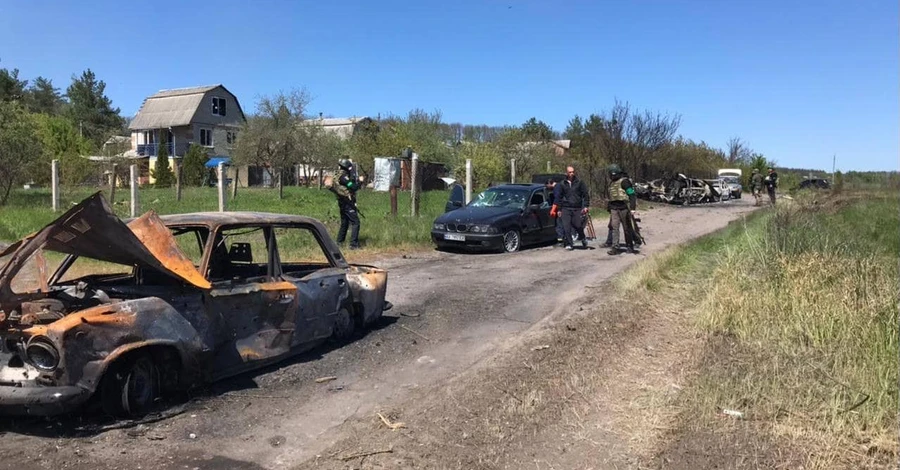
(214, 161)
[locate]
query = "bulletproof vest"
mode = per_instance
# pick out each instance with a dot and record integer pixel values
(616, 193)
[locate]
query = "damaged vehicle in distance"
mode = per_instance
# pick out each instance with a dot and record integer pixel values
(136, 310)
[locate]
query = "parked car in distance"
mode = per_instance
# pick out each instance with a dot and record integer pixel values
(164, 303)
(502, 218)
(814, 183)
(732, 177)
(543, 178)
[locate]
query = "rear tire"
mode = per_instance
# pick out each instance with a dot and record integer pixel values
(131, 386)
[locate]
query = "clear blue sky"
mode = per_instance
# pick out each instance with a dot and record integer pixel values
(798, 80)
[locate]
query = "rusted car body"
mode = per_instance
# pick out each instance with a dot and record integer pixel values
(168, 321)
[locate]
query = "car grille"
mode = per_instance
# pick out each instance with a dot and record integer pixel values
(457, 228)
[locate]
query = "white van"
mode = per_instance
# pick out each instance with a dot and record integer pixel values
(732, 176)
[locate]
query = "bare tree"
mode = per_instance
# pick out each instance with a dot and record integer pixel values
(635, 140)
(275, 137)
(738, 151)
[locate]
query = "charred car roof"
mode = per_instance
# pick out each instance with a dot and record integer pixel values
(216, 219)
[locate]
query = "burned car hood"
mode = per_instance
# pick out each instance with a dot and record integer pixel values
(477, 215)
(90, 229)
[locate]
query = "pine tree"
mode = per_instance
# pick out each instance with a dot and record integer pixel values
(193, 168)
(162, 172)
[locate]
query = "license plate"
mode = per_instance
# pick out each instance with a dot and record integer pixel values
(455, 237)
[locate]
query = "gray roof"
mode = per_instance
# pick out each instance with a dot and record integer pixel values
(169, 108)
(184, 91)
(329, 122)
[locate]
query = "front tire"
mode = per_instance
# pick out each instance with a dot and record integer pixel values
(131, 386)
(512, 241)
(344, 325)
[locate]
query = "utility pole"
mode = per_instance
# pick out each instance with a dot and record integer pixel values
(833, 163)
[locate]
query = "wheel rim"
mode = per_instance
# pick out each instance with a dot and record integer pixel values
(511, 240)
(139, 389)
(343, 326)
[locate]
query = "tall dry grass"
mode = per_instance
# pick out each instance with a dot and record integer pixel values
(799, 306)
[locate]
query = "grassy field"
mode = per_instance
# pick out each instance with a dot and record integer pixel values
(30, 210)
(799, 310)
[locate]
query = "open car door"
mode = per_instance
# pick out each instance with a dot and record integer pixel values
(457, 198)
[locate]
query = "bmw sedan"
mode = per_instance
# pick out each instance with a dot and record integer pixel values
(502, 218)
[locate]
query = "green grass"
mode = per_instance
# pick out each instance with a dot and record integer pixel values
(799, 306)
(28, 211)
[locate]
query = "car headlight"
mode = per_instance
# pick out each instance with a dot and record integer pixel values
(41, 353)
(483, 229)
(439, 227)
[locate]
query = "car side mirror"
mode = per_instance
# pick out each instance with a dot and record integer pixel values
(534, 207)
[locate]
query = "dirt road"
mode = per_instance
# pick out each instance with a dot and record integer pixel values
(453, 313)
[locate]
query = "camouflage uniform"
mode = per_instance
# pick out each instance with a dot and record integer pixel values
(756, 184)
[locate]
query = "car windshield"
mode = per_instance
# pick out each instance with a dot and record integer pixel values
(497, 197)
(731, 179)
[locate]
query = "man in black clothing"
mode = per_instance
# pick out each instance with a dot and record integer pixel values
(550, 185)
(622, 200)
(345, 190)
(574, 201)
(771, 181)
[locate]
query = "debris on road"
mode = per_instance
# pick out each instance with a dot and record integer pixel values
(415, 333)
(538, 348)
(366, 454)
(322, 380)
(388, 423)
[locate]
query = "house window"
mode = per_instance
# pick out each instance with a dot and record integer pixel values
(206, 138)
(218, 106)
(231, 137)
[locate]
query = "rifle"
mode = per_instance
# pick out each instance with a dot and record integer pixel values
(589, 227)
(635, 228)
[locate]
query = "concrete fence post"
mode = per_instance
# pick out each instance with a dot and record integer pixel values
(135, 204)
(468, 181)
(54, 181)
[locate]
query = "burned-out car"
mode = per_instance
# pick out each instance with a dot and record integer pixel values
(164, 303)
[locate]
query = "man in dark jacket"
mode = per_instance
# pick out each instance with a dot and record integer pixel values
(573, 202)
(345, 190)
(771, 183)
(622, 201)
(552, 192)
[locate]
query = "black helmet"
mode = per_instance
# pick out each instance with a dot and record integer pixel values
(345, 164)
(613, 169)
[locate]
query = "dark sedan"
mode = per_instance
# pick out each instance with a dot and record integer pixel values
(502, 218)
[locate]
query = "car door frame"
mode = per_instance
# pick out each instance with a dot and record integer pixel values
(252, 319)
(320, 295)
(537, 220)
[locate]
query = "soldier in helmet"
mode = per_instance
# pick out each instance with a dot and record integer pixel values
(622, 201)
(756, 184)
(345, 190)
